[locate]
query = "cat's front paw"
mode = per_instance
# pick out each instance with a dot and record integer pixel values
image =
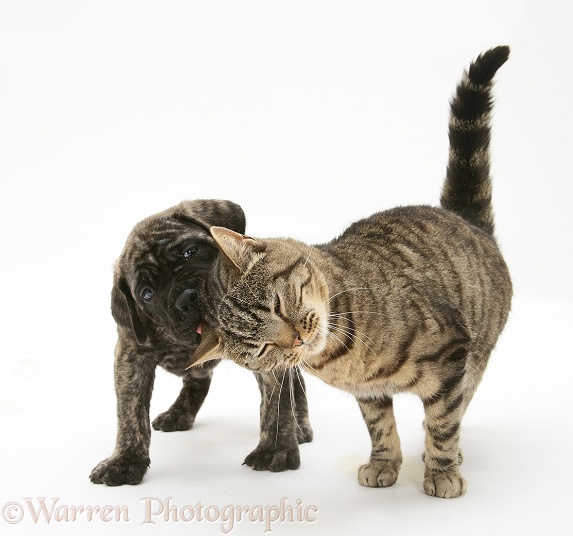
(447, 485)
(378, 474)
(274, 460)
(173, 421)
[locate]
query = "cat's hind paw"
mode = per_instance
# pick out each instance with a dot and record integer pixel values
(378, 475)
(447, 485)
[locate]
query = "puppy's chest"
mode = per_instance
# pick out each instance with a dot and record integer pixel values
(176, 363)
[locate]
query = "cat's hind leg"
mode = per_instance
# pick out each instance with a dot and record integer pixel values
(386, 457)
(444, 411)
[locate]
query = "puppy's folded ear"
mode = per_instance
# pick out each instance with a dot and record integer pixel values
(235, 218)
(210, 212)
(124, 311)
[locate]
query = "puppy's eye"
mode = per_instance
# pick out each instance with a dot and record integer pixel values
(190, 252)
(147, 294)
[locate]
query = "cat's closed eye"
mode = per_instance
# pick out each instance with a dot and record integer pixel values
(277, 309)
(264, 349)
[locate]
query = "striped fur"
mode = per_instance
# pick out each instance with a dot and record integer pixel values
(467, 189)
(412, 299)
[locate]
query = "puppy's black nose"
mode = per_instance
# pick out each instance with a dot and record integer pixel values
(187, 300)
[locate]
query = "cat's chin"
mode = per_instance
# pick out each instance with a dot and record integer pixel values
(315, 346)
(308, 352)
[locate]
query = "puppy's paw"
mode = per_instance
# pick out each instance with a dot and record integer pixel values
(173, 421)
(275, 460)
(119, 470)
(446, 485)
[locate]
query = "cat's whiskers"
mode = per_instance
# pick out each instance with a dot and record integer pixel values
(356, 312)
(329, 333)
(307, 366)
(354, 338)
(297, 372)
(292, 399)
(274, 386)
(279, 406)
(343, 292)
(353, 332)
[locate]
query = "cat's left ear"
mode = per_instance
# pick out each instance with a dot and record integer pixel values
(241, 250)
(208, 349)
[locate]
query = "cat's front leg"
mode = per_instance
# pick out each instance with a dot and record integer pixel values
(442, 456)
(386, 456)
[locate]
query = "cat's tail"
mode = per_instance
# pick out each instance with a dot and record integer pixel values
(467, 189)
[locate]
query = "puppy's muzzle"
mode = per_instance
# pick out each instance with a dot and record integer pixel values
(188, 301)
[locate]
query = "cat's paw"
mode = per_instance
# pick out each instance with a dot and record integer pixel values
(447, 485)
(274, 460)
(304, 433)
(378, 475)
(173, 421)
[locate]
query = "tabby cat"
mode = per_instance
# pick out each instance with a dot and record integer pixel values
(412, 299)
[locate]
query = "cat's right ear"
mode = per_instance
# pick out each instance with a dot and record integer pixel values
(242, 251)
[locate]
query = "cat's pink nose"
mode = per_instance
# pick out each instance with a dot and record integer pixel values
(297, 341)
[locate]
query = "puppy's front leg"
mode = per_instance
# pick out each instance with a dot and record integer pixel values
(181, 415)
(284, 422)
(134, 378)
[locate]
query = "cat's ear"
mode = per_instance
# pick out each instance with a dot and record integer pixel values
(209, 348)
(241, 250)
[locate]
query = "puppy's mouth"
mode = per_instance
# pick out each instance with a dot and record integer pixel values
(199, 330)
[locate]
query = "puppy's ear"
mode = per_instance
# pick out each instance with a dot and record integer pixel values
(124, 311)
(217, 212)
(234, 218)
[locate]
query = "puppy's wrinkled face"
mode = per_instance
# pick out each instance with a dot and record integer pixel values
(168, 277)
(161, 272)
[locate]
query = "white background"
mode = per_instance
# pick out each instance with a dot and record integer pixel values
(311, 115)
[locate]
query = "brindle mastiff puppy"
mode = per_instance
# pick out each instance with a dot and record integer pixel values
(155, 303)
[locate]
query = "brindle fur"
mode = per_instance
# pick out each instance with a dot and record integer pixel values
(164, 332)
(412, 299)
